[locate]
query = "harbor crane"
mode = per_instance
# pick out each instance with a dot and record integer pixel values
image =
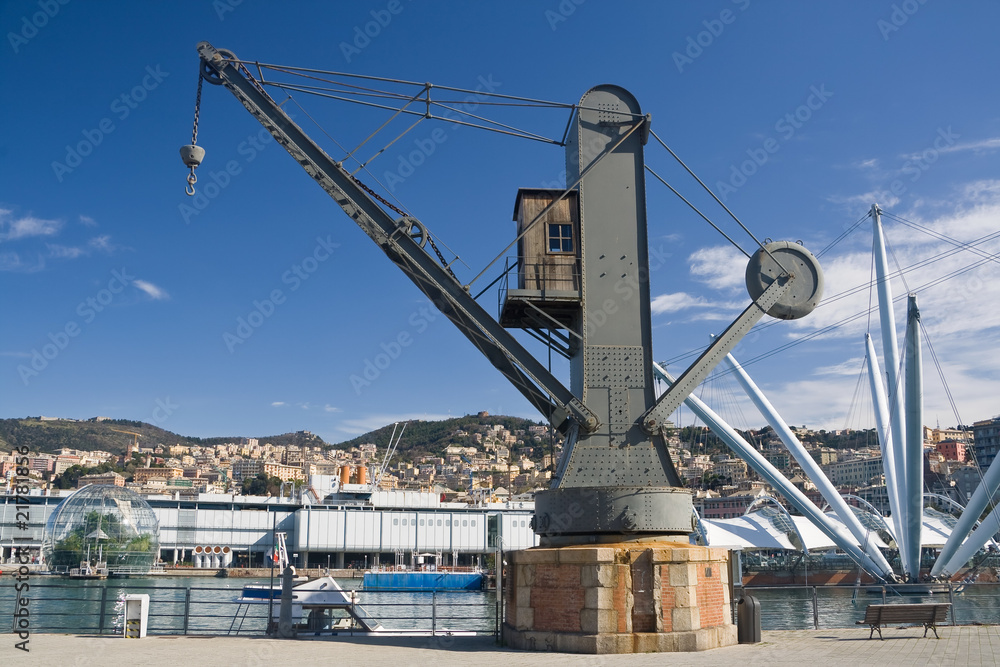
(615, 478)
(133, 446)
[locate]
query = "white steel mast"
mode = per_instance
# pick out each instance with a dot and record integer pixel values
(808, 464)
(890, 353)
(914, 438)
(885, 437)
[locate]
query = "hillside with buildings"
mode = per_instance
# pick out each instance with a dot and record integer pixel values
(465, 457)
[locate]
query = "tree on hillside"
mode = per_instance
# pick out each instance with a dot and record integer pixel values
(261, 485)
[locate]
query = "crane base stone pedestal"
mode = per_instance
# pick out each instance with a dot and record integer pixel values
(625, 597)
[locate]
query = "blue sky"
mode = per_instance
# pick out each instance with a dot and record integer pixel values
(119, 300)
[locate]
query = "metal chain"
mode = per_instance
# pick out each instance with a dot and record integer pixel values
(197, 108)
(440, 256)
(378, 197)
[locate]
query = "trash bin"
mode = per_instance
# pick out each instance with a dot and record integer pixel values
(748, 620)
(136, 615)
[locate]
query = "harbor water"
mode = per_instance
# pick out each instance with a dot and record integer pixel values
(198, 605)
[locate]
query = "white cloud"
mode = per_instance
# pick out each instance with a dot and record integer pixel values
(882, 197)
(12, 261)
(100, 243)
(277, 404)
(719, 267)
(64, 252)
(156, 293)
(671, 303)
(331, 408)
(28, 226)
(957, 292)
(981, 146)
(87, 221)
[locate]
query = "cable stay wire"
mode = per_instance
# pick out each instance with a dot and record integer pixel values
(352, 93)
(695, 209)
(719, 201)
(847, 232)
(523, 134)
(855, 290)
(401, 209)
(831, 327)
(306, 71)
(959, 245)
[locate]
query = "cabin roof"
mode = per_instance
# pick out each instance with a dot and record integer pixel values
(523, 191)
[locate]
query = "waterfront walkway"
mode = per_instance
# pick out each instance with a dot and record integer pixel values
(961, 645)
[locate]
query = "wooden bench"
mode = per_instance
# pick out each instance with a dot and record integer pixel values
(930, 615)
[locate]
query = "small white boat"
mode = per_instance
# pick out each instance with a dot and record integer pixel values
(320, 605)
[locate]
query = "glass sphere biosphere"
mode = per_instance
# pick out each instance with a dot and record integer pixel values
(102, 523)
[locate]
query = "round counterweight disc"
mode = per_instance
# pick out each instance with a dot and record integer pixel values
(807, 285)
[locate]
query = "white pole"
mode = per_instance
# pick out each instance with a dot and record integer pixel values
(890, 353)
(989, 527)
(965, 523)
(773, 477)
(808, 464)
(885, 438)
(914, 437)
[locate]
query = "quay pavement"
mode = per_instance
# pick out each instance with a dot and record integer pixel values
(959, 645)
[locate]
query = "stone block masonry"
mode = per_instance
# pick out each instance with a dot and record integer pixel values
(628, 597)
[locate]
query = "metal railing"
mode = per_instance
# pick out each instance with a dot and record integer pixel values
(816, 607)
(181, 610)
(538, 276)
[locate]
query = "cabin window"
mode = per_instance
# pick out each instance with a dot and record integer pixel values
(439, 522)
(465, 522)
(395, 522)
(473, 523)
(560, 238)
(404, 522)
(421, 522)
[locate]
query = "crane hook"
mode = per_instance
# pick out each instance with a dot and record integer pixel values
(192, 155)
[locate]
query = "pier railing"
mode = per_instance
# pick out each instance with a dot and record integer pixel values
(201, 610)
(816, 607)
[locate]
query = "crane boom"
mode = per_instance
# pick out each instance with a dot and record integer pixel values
(546, 393)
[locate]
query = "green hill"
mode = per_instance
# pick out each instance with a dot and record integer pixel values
(423, 438)
(52, 435)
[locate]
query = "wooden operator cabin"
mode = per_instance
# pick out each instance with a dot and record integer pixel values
(547, 295)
